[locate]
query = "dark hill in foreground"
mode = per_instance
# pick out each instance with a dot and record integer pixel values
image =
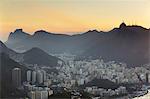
(6, 66)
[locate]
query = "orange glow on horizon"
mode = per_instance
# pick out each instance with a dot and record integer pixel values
(71, 16)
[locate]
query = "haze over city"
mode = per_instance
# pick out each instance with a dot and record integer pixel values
(71, 16)
(74, 49)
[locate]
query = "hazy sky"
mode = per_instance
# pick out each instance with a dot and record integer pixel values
(71, 16)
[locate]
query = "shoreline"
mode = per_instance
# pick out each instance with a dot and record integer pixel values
(145, 96)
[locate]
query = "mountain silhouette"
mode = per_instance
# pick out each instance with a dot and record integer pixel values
(32, 56)
(129, 44)
(39, 57)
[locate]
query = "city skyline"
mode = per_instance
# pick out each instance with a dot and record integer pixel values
(71, 17)
(74, 49)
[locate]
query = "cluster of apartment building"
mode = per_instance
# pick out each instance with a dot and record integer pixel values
(78, 72)
(105, 92)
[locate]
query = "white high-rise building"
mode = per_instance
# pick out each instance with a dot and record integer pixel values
(38, 95)
(16, 77)
(80, 71)
(39, 77)
(41, 94)
(33, 77)
(31, 95)
(44, 94)
(81, 81)
(29, 74)
(44, 75)
(50, 92)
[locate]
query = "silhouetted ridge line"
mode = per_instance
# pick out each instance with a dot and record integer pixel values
(129, 44)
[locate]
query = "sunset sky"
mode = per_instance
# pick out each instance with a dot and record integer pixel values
(71, 16)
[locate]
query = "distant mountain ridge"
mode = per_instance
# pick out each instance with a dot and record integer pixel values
(129, 44)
